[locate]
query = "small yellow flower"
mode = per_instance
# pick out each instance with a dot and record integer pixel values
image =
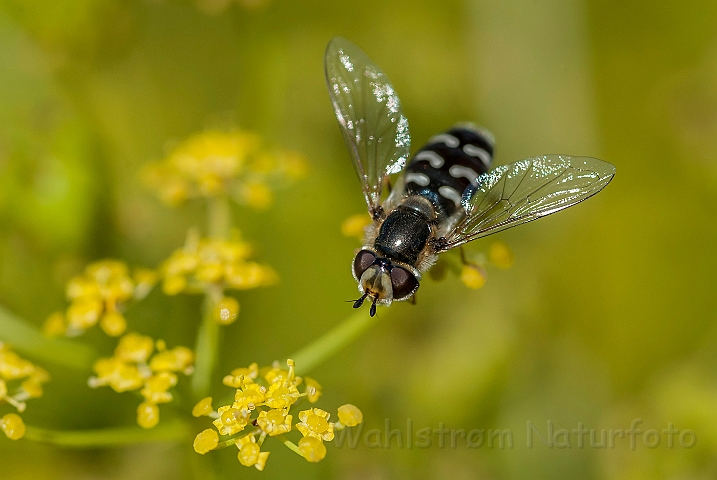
(355, 226)
(256, 195)
(32, 388)
(312, 449)
(24, 379)
(82, 287)
(275, 421)
(242, 376)
(316, 422)
(250, 454)
(178, 359)
(350, 415)
(203, 407)
(156, 386)
(250, 275)
(473, 276)
(147, 415)
(134, 347)
(39, 375)
(174, 284)
(281, 375)
(281, 396)
(313, 389)
(231, 420)
(205, 441)
(250, 396)
(12, 426)
(226, 311)
(113, 324)
(12, 366)
(209, 272)
(500, 255)
(84, 313)
(116, 373)
(144, 279)
(111, 277)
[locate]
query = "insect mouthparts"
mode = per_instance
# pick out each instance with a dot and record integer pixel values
(359, 302)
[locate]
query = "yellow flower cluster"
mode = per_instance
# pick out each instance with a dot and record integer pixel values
(217, 163)
(473, 274)
(131, 368)
(24, 380)
(355, 226)
(207, 262)
(99, 295)
(262, 402)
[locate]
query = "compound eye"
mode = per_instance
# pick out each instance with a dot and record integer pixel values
(403, 283)
(363, 260)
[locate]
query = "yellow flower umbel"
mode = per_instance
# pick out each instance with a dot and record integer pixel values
(261, 406)
(205, 264)
(20, 380)
(131, 368)
(223, 163)
(100, 295)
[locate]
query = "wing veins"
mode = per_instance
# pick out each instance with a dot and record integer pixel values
(574, 182)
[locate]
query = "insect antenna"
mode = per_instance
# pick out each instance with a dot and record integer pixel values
(372, 312)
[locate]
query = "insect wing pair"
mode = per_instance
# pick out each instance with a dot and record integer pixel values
(378, 139)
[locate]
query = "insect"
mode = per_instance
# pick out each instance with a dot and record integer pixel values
(447, 193)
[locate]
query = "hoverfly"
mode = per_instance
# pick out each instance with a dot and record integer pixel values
(447, 193)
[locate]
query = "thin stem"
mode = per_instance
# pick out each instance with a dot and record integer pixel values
(292, 446)
(334, 340)
(207, 346)
(172, 431)
(28, 340)
(219, 218)
(235, 440)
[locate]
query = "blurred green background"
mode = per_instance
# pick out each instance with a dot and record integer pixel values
(608, 314)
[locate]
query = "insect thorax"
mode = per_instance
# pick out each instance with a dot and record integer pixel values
(405, 232)
(436, 180)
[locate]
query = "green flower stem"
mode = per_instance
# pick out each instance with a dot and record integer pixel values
(334, 340)
(219, 218)
(291, 445)
(172, 431)
(235, 440)
(207, 346)
(28, 340)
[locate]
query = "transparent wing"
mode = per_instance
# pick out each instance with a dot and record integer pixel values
(369, 114)
(524, 191)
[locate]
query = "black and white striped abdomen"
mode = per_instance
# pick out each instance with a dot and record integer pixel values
(447, 165)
